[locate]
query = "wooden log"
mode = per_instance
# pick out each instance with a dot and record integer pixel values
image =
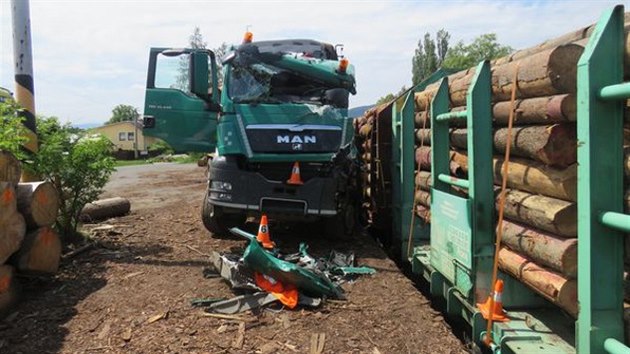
(38, 202)
(546, 73)
(549, 214)
(536, 110)
(423, 158)
(556, 253)
(423, 180)
(105, 208)
(365, 130)
(525, 175)
(537, 178)
(423, 212)
(40, 252)
(553, 145)
(545, 213)
(626, 161)
(550, 285)
(8, 289)
(8, 199)
(12, 226)
(10, 169)
(423, 198)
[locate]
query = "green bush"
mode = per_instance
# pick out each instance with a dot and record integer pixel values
(12, 131)
(161, 147)
(77, 164)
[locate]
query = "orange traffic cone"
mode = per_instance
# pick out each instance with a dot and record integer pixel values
(497, 304)
(295, 175)
(263, 234)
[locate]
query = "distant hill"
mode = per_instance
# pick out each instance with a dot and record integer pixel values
(86, 125)
(358, 111)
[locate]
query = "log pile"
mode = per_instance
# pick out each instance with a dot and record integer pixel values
(540, 230)
(27, 242)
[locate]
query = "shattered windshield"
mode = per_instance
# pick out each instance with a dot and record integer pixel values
(254, 81)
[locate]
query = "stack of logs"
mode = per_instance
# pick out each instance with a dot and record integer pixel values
(27, 242)
(540, 230)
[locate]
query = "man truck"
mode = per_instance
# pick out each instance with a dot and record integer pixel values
(278, 124)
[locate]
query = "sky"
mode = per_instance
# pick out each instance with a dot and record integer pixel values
(91, 55)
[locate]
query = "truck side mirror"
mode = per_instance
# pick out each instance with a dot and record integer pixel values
(203, 73)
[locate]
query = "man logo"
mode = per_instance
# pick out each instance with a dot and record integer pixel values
(296, 139)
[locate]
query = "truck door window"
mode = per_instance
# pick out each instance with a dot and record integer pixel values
(173, 72)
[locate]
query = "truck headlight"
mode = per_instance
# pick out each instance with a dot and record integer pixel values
(221, 186)
(220, 196)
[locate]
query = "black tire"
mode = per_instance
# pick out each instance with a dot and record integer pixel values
(342, 225)
(211, 217)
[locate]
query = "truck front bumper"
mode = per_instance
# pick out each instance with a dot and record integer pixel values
(252, 192)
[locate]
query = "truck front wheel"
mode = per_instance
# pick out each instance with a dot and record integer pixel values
(342, 225)
(216, 220)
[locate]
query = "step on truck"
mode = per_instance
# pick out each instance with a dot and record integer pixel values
(278, 125)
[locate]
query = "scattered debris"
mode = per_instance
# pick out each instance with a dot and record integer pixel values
(206, 301)
(291, 279)
(157, 317)
(126, 335)
(318, 341)
(240, 337)
(131, 275)
(242, 303)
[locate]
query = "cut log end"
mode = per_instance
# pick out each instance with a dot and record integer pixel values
(40, 252)
(38, 202)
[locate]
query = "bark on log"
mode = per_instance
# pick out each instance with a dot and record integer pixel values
(12, 230)
(10, 169)
(423, 198)
(537, 110)
(537, 178)
(559, 254)
(423, 158)
(365, 130)
(553, 145)
(545, 213)
(40, 252)
(552, 286)
(546, 73)
(525, 175)
(549, 214)
(38, 202)
(105, 208)
(424, 213)
(8, 199)
(8, 289)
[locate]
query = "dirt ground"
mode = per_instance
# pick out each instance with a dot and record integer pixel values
(131, 293)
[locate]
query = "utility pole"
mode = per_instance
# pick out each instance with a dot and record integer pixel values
(23, 66)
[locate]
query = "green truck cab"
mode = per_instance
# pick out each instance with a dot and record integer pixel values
(281, 102)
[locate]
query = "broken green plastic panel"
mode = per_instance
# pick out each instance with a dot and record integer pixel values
(308, 282)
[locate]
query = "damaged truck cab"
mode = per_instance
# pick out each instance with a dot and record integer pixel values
(282, 105)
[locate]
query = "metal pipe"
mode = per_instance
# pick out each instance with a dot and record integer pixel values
(454, 181)
(614, 220)
(23, 64)
(613, 346)
(615, 92)
(452, 115)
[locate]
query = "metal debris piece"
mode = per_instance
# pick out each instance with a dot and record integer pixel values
(309, 281)
(232, 269)
(242, 303)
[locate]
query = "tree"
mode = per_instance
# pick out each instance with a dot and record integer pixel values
(122, 113)
(195, 41)
(79, 166)
(12, 131)
(485, 46)
(219, 53)
(429, 55)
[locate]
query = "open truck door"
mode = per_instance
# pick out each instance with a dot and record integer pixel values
(182, 98)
